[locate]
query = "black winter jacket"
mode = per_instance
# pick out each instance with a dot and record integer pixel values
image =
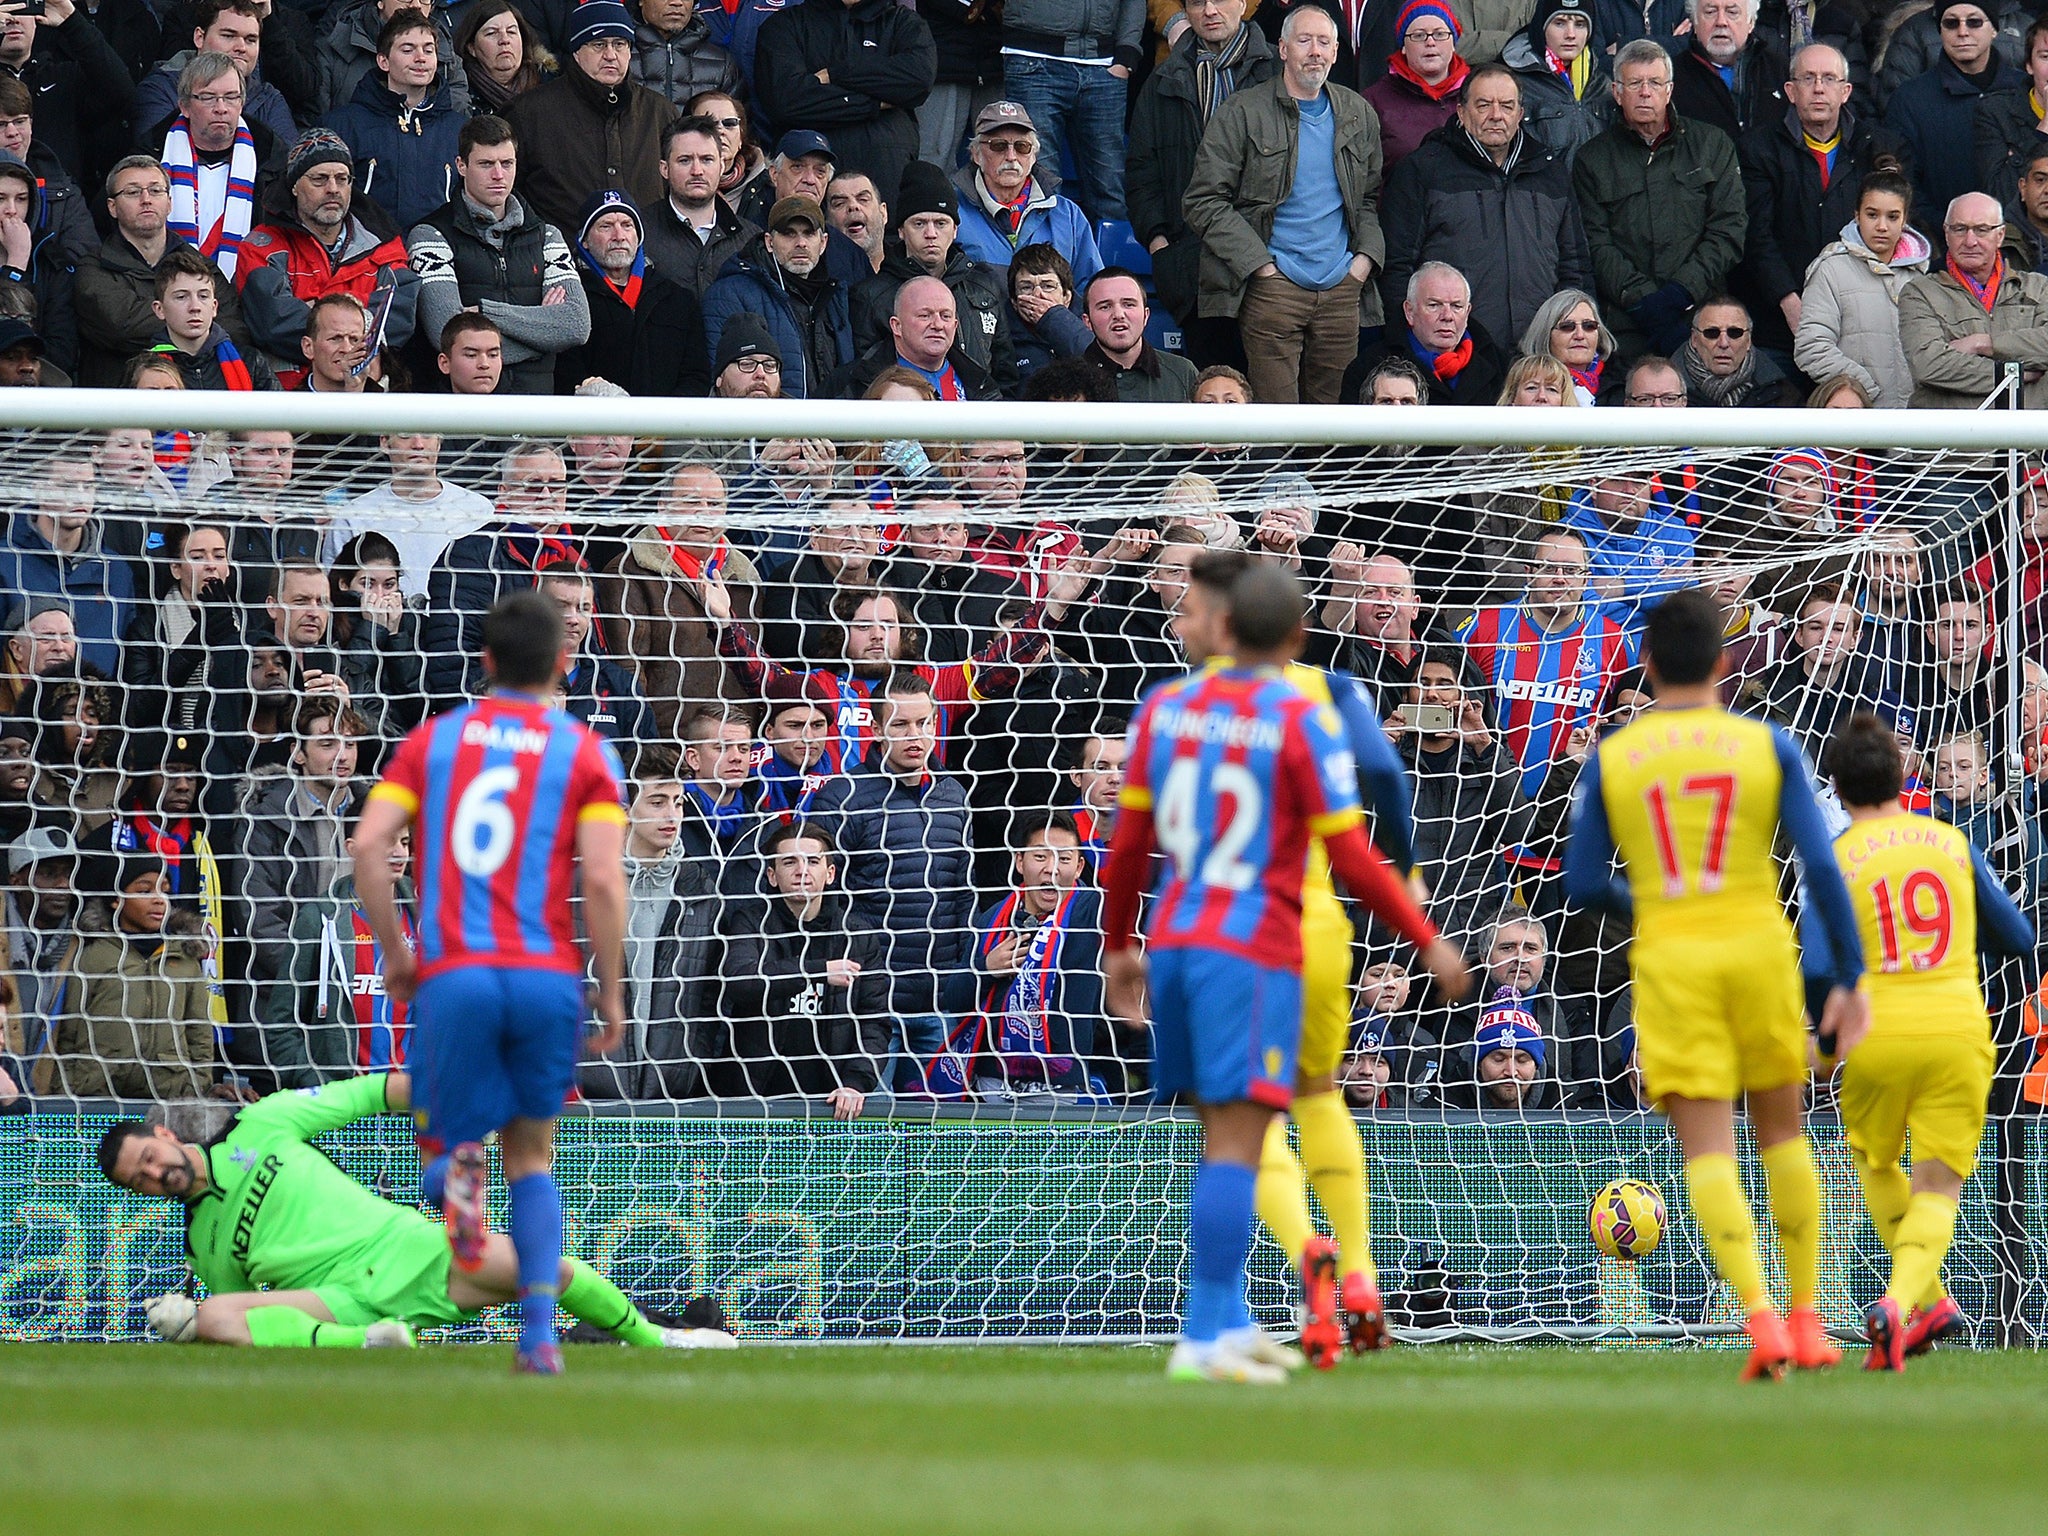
(679, 67)
(654, 348)
(908, 874)
(1514, 231)
(967, 39)
(882, 64)
(1699, 92)
(576, 137)
(1936, 116)
(677, 252)
(980, 296)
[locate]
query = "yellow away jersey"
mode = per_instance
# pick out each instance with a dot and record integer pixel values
(1915, 893)
(1320, 908)
(1692, 804)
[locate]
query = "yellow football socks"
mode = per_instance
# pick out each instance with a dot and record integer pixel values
(1886, 1192)
(1722, 1210)
(1335, 1160)
(1281, 1193)
(1795, 1212)
(1924, 1233)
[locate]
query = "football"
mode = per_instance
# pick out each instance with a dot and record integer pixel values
(1627, 1219)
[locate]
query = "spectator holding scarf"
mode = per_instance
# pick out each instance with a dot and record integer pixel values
(220, 164)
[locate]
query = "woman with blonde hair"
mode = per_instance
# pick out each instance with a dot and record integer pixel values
(1538, 380)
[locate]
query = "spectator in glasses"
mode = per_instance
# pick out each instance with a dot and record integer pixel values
(1960, 326)
(1721, 364)
(1935, 114)
(1568, 328)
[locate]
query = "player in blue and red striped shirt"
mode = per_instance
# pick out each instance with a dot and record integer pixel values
(1231, 771)
(507, 798)
(1548, 659)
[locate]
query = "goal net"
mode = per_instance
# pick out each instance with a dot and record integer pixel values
(868, 669)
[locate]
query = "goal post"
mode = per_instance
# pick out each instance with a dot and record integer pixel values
(224, 609)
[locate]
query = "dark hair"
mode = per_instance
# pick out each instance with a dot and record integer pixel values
(903, 683)
(688, 122)
(1033, 823)
(1216, 571)
(485, 129)
(1107, 727)
(789, 831)
(523, 638)
(1721, 300)
(1628, 680)
(207, 12)
(1683, 638)
(407, 19)
(1889, 179)
(1037, 259)
(1102, 274)
(658, 762)
(1224, 371)
(117, 1136)
(1645, 363)
(1394, 368)
(366, 548)
(1495, 70)
(1863, 759)
(535, 62)
(327, 706)
(1069, 378)
(184, 261)
(750, 147)
(464, 321)
(1265, 607)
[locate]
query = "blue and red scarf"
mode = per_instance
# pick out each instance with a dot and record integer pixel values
(1015, 1021)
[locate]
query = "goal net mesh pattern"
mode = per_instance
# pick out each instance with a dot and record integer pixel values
(926, 653)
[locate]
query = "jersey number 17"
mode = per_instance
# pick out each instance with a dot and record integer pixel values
(1718, 788)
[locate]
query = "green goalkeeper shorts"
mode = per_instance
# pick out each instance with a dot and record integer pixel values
(404, 1276)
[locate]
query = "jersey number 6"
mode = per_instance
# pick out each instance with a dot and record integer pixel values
(484, 830)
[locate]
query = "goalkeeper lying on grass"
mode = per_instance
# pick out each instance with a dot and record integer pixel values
(337, 1266)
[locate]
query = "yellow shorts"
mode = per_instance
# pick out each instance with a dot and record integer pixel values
(1719, 1018)
(1325, 989)
(1935, 1086)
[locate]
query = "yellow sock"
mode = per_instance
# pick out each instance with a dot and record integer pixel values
(1795, 1212)
(1886, 1192)
(1722, 1210)
(1335, 1159)
(1925, 1232)
(1281, 1194)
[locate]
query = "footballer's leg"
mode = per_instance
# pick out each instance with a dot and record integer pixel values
(1706, 1133)
(544, 1021)
(288, 1320)
(1787, 1156)
(586, 1295)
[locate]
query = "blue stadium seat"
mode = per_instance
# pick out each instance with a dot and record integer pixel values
(1121, 247)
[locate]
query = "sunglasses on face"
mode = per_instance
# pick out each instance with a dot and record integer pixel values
(1964, 23)
(1579, 327)
(1716, 332)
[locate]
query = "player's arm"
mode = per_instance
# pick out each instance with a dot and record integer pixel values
(309, 1112)
(388, 812)
(1123, 885)
(1371, 880)
(1845, 1016)
(1589, 877)
(600, 850)
(1380, 773)
(2002, 929)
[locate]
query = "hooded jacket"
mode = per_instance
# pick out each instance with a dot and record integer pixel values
(1849, 316)
(577, 137)
(1549, 109)
(816, 339)
(335, 977)
(139, 1024)
(49, 275)
(1513, 229)
(1049, 219)
(156, 103)
(882, 64)
(405, 156)
(203, 370)
(284, 269)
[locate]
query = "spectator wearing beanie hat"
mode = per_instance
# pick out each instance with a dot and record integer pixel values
(317, 238)
(747, 362)
(646, 331)
(591, 127)
(1510, 1058)
(781, 277)
(1565, 95)
(1423, 82)
(923, 241)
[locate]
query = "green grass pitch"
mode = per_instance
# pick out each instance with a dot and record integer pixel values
(157, 1440)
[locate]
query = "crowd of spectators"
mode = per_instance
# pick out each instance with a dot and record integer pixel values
(870, 697)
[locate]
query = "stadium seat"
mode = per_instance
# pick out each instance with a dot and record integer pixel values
(1121, 247)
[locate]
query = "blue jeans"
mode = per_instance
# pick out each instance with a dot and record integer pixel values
(914, 1039)
(1082, 106)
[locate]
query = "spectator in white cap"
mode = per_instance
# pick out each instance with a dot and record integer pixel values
(41, 913)
(1009, 199)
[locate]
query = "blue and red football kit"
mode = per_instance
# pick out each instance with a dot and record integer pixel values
(1232, 771)
(1545, 683)
(496, 792)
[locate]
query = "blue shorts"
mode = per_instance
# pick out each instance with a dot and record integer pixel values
(490, 1046)
(1223, 1029)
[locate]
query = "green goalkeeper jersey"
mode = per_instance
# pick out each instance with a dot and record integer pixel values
(279, 1214)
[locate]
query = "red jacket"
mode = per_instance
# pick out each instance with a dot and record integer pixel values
(284, 270)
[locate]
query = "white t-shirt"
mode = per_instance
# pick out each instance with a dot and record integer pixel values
(420, 529)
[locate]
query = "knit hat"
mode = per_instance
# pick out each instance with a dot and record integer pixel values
(924, 189)
(1415, 10)
(1943, 7)
(15, 332)
(809, 689)
(316, 146)
(1372, 1037)
(133, 865)
(745, 335)
(598, 204)
(593, 20)
(1545, 9)
(1505, 1025)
